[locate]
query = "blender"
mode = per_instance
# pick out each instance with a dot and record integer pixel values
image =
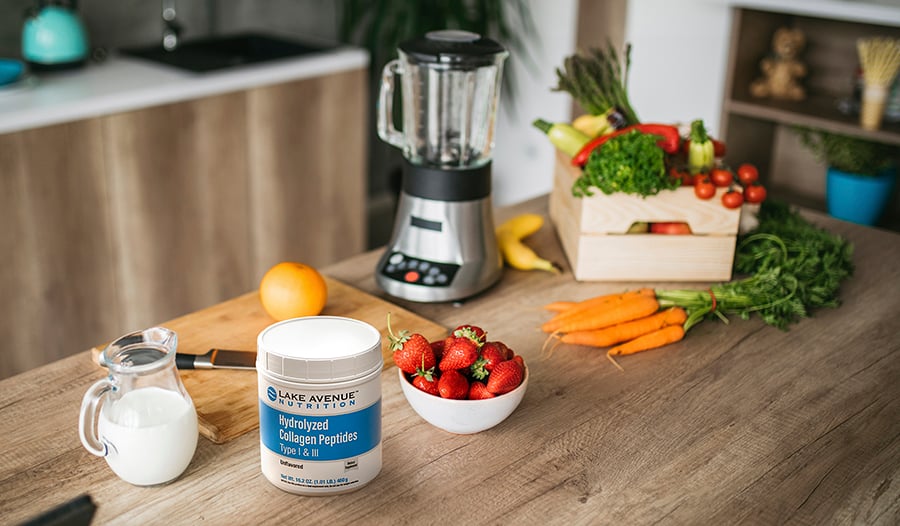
(443, 246)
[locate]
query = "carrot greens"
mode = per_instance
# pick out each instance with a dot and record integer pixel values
(794, 266)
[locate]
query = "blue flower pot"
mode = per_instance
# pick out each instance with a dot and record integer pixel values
(859, 198)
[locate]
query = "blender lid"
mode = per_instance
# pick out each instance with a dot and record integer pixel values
(454, 47)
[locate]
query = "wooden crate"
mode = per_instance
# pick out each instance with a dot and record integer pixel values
(593, 231)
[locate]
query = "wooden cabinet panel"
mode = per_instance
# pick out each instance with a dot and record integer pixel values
(307, 164)
(178, 180)
(57, 278)
(121, 222)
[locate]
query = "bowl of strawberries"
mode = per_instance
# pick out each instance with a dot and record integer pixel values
(464, 383)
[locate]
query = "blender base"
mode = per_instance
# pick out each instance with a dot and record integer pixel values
(440, 250)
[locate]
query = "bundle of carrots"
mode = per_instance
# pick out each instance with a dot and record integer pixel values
(626, 322)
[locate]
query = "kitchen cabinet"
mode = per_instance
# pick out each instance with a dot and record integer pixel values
(759, 130)
(119, 222)
(56, 280)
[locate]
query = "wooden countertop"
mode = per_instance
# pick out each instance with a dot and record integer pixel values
(736, 424)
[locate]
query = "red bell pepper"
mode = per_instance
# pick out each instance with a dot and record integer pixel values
(669, 140)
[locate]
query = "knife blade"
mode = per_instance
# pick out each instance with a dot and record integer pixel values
(217, 359)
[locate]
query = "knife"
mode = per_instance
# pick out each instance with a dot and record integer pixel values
(217, 359)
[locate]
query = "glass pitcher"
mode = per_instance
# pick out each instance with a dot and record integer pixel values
(140, 418)
(450, 83)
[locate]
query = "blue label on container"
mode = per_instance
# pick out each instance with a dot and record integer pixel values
(320, 437)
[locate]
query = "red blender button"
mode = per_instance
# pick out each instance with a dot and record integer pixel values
(412, 276)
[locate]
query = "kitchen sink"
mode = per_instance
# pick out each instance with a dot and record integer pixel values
(216, 53)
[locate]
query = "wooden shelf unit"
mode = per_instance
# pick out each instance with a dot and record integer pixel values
(760, 130)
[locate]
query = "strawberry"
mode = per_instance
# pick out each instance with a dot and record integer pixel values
(459, 353)
(426, 381)
(506, 350)
(437, 347)
(410, 351)
(519, 360)
(491, 354)
(452, 384)
(505, 377)
(476, 334)
(478, 391)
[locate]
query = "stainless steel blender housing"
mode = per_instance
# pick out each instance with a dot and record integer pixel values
(443, 246)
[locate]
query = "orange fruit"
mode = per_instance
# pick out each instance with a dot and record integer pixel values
(290, 290)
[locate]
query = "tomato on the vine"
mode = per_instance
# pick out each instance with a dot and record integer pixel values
(721, 177)
(747, 174)
(755, 193)
(703, 188)
(684, 176)
(732, 198)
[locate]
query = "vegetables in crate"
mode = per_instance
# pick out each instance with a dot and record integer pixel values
(607, 143)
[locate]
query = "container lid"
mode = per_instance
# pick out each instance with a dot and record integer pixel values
(319, 349)
(454, 47)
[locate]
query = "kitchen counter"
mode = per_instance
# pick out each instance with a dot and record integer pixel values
(123, 83)
(738, 423)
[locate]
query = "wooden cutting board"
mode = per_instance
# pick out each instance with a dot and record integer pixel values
(226, 399)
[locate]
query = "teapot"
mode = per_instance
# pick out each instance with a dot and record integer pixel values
(53, 36)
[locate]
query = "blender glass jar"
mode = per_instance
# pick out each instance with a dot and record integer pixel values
(450, 92)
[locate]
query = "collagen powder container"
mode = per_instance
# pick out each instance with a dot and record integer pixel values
(319, 404)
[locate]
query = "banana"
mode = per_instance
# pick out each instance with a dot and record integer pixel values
(517, 254)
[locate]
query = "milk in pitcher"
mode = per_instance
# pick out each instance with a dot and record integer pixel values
(151, 435)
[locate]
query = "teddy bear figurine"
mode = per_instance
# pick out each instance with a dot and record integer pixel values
(782, 70)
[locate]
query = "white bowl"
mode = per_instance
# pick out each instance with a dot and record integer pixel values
(462, 416)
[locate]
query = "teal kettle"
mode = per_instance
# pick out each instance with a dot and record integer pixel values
(53, 36)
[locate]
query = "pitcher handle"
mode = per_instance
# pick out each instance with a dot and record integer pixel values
(90, 406)
(386, 129)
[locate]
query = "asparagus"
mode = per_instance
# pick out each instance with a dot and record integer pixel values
(597, 80)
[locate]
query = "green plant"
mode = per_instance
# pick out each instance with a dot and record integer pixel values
(848, 154)
(381, 25)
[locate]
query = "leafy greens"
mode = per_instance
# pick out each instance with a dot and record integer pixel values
(631, 163)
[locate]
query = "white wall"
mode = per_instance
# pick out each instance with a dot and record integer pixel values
(523, 157)
(679, 58)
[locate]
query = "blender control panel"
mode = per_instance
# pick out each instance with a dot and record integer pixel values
(408, 269)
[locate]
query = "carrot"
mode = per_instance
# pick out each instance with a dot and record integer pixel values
(559, 306)
(653, 340)
(630, 330)
(606, 314)
(578, 310)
